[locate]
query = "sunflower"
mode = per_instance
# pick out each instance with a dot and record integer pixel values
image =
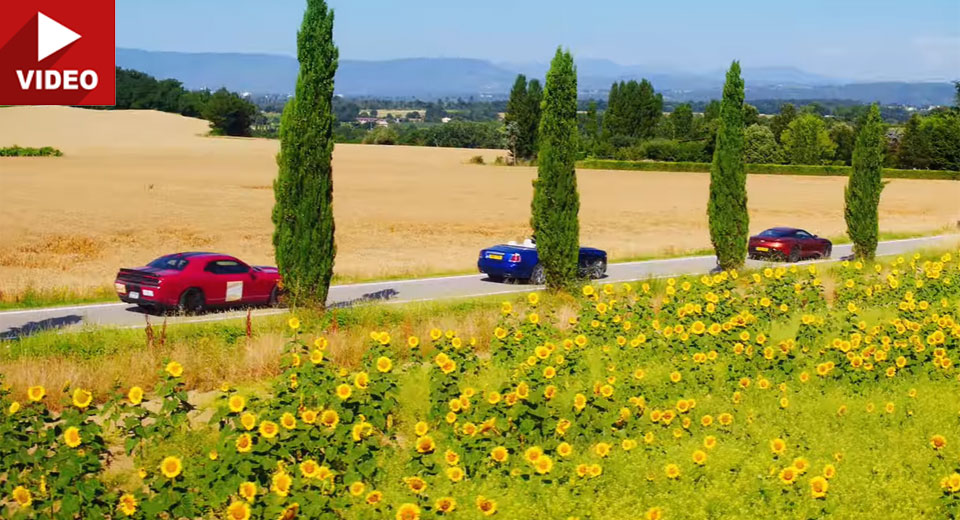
(236, 403)
(564, 449)
(309, 468)
(532, 454)
(654, 513)
(425, 444)
(135, 395)
(579, 402)
(455, 473)
(248, 421)
(451, 457)
(499, 454)
(384, 364)
(374, 497)
(13, 408)
(416, 484)
(699, 457)
(308, 416)
(938, 442)
(408, 512)
(357, 488)
(818, 487)
(280, 483)
(22, 496)
(628, 444)
(672, 471)
(288, 421)
(344, 391)
(329, 418)
(248, 491)
(127, 504)
(71, 436)
(788, 475)
(82, 398)
(238, 510)
(445, 505)
(675, 377)
(171, 466)
(829, 471)
(36, 393)
(778, 446)
(595, 470)
(951, 482)
(486, 506)
(269, 429)
(543, 464)
(602, 449)
(174, 369)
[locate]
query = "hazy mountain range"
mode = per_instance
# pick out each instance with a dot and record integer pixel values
(430, 78)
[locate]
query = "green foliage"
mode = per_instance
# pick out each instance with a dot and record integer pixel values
(633, 110)
(782, 120)
(682, 119)
(862, 193)
(523, 117)
(20, 151)
(727, 205)
(760, 147)
(931, 142)
(844, 136)
(556, 202)
(765, 169)
(228, 113)
(806, 141)
(659, 149)
(303, 238)
(381, 135)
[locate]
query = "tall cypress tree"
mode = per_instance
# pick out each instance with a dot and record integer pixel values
(517, 119)
(303, 212)
(534, 97)
(556, 202)
(727, 206)
(862, 193)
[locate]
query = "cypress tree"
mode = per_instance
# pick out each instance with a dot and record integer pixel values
(534, 97)
(727, 206)
(556, 203)
(517, 117)
(862, 193)
(303, 212)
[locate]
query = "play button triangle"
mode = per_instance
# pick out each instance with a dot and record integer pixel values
(52, 36)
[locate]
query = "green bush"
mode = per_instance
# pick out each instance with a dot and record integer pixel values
(19, 151)
(659, 149)
(771, 169)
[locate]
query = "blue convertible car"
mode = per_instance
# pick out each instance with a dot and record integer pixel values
(520, 262)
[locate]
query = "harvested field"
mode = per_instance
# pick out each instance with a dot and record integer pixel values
(136, 184)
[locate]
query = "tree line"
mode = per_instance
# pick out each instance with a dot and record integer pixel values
(634, 127)
(228, 113)
(303, 212)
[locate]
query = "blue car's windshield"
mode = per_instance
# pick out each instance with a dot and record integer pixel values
(175, 262)
(774, 233)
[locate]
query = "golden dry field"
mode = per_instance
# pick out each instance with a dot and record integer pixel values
(136, 184)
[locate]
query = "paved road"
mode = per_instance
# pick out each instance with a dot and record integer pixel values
(24, 322)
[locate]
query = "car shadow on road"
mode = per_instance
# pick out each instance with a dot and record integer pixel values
(33, 327)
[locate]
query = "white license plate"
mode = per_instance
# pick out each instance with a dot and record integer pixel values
(134, 295)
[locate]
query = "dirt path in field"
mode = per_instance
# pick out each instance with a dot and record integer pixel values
(136, 184)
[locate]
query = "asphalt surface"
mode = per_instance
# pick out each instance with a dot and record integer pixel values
(19, 323)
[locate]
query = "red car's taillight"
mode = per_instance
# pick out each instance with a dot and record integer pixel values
(515, 258)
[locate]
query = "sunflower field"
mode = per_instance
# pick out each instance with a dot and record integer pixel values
(791, 392)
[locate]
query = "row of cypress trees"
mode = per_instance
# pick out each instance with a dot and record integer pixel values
(727, 206)
(303, 213)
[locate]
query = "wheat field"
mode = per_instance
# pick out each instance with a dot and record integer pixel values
(133, 185)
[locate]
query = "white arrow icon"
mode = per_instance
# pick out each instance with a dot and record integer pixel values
(52, 36)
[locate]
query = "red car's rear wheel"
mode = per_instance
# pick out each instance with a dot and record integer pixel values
(191, 301)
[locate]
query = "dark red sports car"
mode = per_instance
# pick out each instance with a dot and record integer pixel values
(191, 282)
(787, 243)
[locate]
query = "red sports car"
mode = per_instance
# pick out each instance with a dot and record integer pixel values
(790, 244)
(191, 282)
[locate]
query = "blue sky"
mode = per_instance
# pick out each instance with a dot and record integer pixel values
(855, 39)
